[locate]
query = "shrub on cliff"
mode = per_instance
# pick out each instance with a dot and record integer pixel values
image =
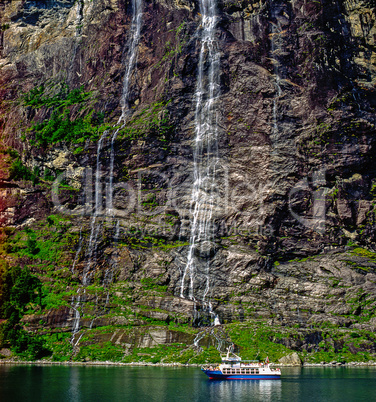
(67, 117)
(18, 171)
(19, 288)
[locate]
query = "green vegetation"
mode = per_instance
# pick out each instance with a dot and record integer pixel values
(373, 190)
(68, 118)
(61, 127)
(362, 252)
(101, 352)
(254, 341)
(153, 122)
(258, 342)
(18, 171)
(45, 248)
(148, 241)
(46, 286)
(18, 290)
(59, 344)
(37, 97)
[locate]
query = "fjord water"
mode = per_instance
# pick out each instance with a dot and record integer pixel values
(114, 383)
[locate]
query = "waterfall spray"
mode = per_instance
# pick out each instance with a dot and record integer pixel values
(276, 30)
(124, 101)
(94, 225)
(94, 228)
(205, 153)
(80, 16)
(79, 248)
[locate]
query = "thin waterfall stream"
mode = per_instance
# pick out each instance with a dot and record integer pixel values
(124, 101)
(205, 158)
(90, 252)
(276, 31)
(217, 335)
(79, 248)
(95, 226)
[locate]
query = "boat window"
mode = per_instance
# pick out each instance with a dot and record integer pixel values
(257, 371)
(233, 371)
(247, 371)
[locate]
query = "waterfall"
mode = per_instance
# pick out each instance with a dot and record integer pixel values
(276, 30)
(79, 248)
(109, 273)
(124, 101)
(132, 55)
(76, 322)
(79, 16)
(77, 317)
(205, 154)
(77, 34)
(94, 228)
(196, 341)
(219, 336)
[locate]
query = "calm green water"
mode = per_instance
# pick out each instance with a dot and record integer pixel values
(109, 383)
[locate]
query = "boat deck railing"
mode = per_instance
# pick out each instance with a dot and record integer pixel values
(210, 367)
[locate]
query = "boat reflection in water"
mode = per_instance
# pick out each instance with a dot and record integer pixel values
(265, 390)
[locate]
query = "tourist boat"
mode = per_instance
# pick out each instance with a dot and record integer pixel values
(234, 368)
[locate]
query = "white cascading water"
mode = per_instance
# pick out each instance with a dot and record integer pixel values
(205, 155)
(79, 16)
(94, 230)
(77, 317)
(77, 33)
(218, 335)
(131, 63)
(276, 31)
(79, 248)
(109, 273)
(94, 226)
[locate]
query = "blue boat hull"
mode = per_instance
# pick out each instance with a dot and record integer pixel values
(217, 375)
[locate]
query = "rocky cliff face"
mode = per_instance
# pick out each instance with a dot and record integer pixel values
(293, 217)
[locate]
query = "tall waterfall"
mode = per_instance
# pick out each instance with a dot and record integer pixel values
(205, 156)
(77, 33)
(79, 16)
(131, 60)
(91, 248)
(276, 31)
(95, 226)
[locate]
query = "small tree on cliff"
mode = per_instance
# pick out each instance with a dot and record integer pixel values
(19, 288)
